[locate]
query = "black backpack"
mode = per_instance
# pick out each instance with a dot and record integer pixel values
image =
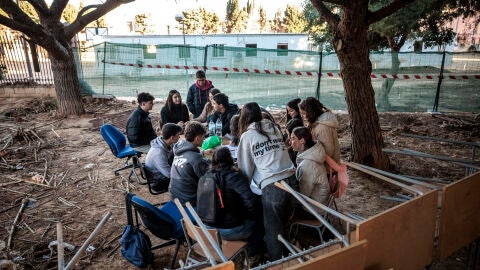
(210, 200)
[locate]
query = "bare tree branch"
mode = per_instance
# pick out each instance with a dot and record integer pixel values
(82, 21)
(387, 10)
(336, 2)
(57, 8)
(325, 13)
(40, 6)
(16, 14)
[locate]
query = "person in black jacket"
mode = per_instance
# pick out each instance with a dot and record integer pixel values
(223, 110)
(174, 110)
(240, 217)
(197, 95)
(139, 125)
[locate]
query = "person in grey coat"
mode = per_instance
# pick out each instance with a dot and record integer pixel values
(188, 164)
(160, 156)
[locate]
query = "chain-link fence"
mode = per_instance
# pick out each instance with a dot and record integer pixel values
(402, 81)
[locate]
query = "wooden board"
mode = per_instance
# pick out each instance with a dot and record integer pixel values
(402, 237)
(460, 215)
(351, 258)
(229, 265)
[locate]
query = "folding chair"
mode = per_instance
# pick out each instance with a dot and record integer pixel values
(117, 143)
(162, 222)
(231, 250)
(314, 223)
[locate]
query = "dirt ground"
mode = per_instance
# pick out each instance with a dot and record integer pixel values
(78, 187)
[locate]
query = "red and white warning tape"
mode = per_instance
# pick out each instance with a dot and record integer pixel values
(303, 73)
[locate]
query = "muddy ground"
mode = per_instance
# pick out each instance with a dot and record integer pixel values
(74, 167)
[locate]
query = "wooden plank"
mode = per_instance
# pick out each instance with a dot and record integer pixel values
(402, 237)
(351, 257)
(460, 216)
(228, 265)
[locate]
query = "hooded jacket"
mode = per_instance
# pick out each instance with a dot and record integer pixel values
(261, 159)
(239, 201)
(139, 128)
(158, 156)
(197, 97)
(324, 130)
(224, 117)
(312, 174)
(187, 167)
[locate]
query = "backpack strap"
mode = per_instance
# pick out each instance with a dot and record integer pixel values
(128, 206)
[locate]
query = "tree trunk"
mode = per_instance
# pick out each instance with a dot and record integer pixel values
(351, 46)
(66, 82)
(387, 85)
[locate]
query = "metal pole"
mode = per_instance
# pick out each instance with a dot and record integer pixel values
(437, 95)
(204, 229)
(315, 214)
(104, 63)
(185, 52)
(317, 94)
(200, 241)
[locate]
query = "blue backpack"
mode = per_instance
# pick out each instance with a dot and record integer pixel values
(136, 245)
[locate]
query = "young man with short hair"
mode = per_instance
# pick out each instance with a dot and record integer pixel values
(139, 125)
(188, 164)
(197, 95)
(160, 157)
(223, 110)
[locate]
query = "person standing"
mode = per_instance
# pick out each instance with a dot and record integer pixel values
(174, 110)
(323, 125)
(197, 95)
(263, 158)
(160, 156)
(223, 111)
(188, 164)
(139, 125)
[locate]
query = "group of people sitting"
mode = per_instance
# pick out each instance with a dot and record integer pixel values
(251, 207)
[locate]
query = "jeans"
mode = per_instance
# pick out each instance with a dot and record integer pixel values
(278, 207)
(247, 231)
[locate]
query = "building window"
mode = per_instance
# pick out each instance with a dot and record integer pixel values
(112, 52)
(149, 52)
(418, 46)
(251, 50)
(183, 51)
(282, 49)
(218, 50)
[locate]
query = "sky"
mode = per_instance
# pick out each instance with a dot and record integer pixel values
(163, 11)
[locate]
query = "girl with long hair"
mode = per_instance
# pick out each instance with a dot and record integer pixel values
(263, 159)
(323, 125)
(174, 110)
(311, 172)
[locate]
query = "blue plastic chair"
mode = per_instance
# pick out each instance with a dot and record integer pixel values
(163, 222)
(118, 145)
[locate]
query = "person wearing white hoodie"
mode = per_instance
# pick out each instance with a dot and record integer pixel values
(323, 125)
(263, 158)
(311, 172)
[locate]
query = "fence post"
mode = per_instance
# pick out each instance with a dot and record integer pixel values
(317, 93)
(27, 58)
(437, 95)
(205, 59)
(104, 63)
